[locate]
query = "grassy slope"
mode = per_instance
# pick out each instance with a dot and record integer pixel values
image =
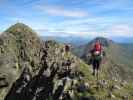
(102, 93)
(118, 64)
(120, 61)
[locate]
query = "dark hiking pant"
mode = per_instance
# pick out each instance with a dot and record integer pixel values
(96, 64)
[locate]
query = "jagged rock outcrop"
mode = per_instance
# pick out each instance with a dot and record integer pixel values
(50, 82)
(46, 68)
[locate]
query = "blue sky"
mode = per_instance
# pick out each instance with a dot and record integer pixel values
(84, 18)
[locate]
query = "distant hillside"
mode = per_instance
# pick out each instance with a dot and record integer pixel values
(128, 47)
(127, 40)
(118, 60)
(74, 40)
(77, 41)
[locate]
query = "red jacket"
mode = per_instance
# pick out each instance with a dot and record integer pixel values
(98, 47)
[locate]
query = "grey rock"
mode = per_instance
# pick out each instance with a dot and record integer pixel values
(125, 98)
(110, 95)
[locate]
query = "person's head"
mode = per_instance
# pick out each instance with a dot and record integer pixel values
(67, 48)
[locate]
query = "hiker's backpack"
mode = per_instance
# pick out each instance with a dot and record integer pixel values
(97, 47)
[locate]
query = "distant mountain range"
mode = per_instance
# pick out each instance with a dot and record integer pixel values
(123, 39)
(75, 40)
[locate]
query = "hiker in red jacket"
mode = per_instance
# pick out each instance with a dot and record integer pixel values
(96, 56)
(98, 47)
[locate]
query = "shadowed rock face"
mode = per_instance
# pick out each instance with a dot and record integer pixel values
(3, 81)
(18, 87)
(42, 86)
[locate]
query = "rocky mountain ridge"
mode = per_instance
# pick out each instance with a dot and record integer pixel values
(32, 69)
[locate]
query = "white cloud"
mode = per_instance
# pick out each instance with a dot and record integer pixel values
(108, 31)
(60, 11)
(120, 30)
(64, 33)
(88, 34)
(16, 19)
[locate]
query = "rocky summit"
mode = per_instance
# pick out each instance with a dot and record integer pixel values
(32, 69)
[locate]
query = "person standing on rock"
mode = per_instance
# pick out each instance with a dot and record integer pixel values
(67, 48)
(97, 54)
(43, 58)
(68, 60)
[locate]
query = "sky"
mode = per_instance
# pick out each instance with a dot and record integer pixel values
(82, 18)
